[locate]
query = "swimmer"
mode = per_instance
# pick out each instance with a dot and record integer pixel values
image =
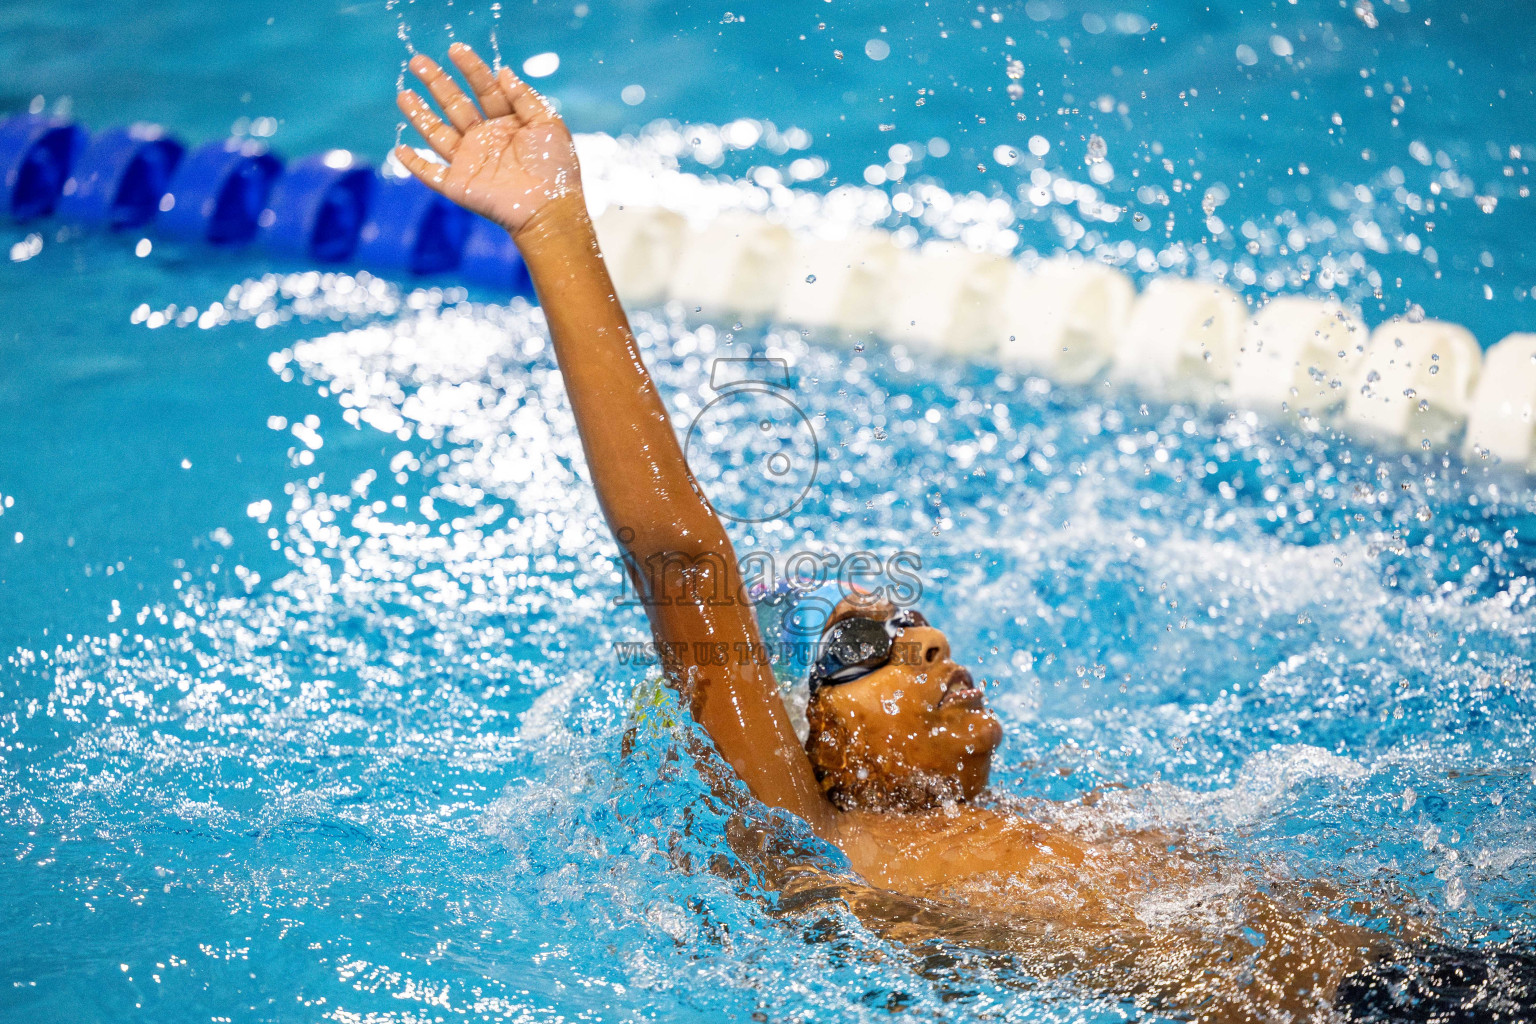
(901, 739)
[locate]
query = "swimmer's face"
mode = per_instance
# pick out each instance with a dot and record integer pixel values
(908, 735)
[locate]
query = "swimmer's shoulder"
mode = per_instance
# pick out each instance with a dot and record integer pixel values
(916, 853)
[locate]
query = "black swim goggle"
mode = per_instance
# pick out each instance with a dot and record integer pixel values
(855, 647)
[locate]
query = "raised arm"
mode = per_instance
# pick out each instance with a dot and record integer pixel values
(510, 158)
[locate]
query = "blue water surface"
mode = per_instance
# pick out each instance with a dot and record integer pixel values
(311, 707)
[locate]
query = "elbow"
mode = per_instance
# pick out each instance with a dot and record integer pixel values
(688, 569)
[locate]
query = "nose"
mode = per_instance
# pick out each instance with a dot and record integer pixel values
(924, 645)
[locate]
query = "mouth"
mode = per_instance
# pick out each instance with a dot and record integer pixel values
(961, 690)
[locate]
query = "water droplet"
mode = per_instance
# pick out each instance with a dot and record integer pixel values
(810, 278)
(1434, 370)
(1425, 444)
(1015, 91)
(1015, 68)
(1097, 147)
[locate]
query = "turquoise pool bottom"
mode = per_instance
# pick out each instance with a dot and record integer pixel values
(377, 773)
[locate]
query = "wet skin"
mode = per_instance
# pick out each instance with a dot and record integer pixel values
(908, 736)
(905, 750)
(896, 759)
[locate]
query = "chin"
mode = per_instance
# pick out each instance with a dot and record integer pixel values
(978, 763)
(976, 774)
(980, 731)
(992, 733)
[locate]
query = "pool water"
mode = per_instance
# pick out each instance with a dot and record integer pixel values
(311, 706)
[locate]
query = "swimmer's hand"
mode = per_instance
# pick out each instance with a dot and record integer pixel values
(509, 155)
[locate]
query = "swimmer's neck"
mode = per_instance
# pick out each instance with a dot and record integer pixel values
(915, 851)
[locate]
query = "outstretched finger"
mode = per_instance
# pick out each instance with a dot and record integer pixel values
(458, 108)
(528, 104)
(443, 139)
(481, 80)
(433, 175)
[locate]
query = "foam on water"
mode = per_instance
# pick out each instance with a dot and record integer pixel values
(408, 776)
(391, 768)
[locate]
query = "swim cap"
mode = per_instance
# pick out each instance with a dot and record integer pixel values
(791, 619)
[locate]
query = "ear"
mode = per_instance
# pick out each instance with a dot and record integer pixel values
(826, 744)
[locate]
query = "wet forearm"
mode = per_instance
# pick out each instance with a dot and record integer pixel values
(508, 156)
(643, 484)
(679, 555)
